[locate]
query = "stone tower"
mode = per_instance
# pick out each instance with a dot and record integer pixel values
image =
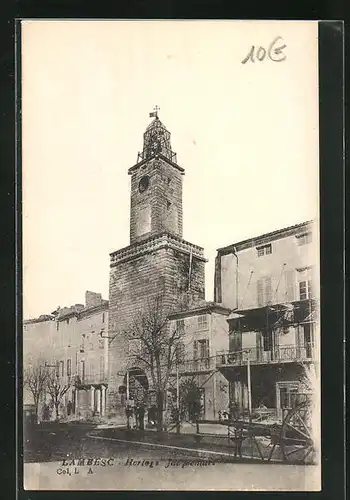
(158, 260)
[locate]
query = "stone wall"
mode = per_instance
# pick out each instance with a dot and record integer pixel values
(133, 282)
(159, 207)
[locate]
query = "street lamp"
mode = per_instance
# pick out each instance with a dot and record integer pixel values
(107, 336)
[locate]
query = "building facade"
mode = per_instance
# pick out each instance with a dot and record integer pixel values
(205, 333)
(158, 261)
(271, 283)
(73, 343)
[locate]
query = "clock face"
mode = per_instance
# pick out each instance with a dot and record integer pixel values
(144, 183)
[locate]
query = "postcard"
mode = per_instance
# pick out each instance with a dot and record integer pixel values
(170, 180)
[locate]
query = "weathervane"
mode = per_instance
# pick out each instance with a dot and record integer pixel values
(154, 113)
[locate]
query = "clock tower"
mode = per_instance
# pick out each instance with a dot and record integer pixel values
(158, 261)
(156, 187)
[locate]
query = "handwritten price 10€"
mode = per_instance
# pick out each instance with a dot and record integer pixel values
(274, 52)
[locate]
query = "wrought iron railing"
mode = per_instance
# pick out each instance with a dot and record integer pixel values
(280, 354)
(89, 379)
(195, 365)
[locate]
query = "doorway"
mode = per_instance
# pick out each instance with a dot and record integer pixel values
(286, 396)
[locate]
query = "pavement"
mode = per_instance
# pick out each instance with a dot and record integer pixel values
(207, 444)
(86, 457)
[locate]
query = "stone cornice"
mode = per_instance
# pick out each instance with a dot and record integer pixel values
(158, 156)
(163, 240)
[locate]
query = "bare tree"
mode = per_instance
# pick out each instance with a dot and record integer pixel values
(190, 399)
(57, 389)
(156, 346)
(35, 379)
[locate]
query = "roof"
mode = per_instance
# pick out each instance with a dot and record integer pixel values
(264, 238)
(64, 313)
(41, 319)
(201, 307)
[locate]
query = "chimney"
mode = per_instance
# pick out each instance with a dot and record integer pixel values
(92, 299)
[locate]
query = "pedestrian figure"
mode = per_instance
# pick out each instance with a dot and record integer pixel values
(237, 431)
(69, 407)
(141, 417)
(238, 439)
(233, 410)
(128, 412)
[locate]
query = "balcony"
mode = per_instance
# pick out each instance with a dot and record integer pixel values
(203, 365)
(280, 354)
(88, 380)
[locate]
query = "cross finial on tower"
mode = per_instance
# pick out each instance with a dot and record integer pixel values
(154, 113)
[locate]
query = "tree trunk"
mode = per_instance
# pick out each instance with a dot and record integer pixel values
(160, 410)
(57, 411)
(36, 406)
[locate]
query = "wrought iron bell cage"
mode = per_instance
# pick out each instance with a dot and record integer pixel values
(156, 140)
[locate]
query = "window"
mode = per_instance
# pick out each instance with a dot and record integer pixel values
(57, 368)
(103, 317)
(305, 283)
(67, 321)
(305, 290)
(57, 325)
(264, 250)
(201, 349)
(203, 322)
(303, 239)
(180, 325)
(82, 343)
(61, 371)
(101, 343)
(264, 290)
(69, 367)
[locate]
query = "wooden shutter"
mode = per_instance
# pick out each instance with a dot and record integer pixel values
(260, 286)
(207, 354)
(195, 349)
(268, 290)
(217, 280)
(290, 282)
(102, 367)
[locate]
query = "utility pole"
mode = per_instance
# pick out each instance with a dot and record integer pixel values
(177, 400)
(249, 386)
(127, 399)
(127, 387)
(237, 300)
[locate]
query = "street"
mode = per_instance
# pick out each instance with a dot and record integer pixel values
(87, 459)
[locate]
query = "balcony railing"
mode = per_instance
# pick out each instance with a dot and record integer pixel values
(280, 354)
(89, 380)
(195, 365)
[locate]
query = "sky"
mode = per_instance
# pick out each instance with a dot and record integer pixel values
(246, 134)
